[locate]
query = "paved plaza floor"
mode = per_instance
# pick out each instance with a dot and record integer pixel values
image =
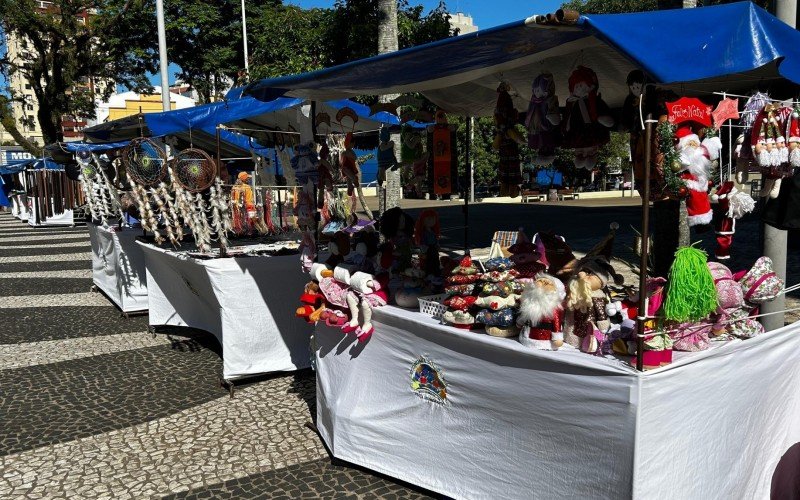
(92, 406)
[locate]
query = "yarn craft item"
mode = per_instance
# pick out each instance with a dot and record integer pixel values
(691, 293)
(193, 169)
(145, 162)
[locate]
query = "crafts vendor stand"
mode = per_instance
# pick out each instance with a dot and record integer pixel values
(522, 423)
(242, 301)
(472, 416)
(118, 266)
(60, 212)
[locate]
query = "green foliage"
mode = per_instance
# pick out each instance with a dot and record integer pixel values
(618, 6)
(666, 141)
(64, 48)
(485, 158)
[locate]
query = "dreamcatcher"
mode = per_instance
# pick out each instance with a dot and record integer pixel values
(101, 196)
(194, 172)
(146, 165)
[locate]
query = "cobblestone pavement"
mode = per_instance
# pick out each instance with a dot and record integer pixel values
(93, 406)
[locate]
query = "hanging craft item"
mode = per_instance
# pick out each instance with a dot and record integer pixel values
(543, 119)
(304, 163)
(348, 164)
(732, 204)
(285, 161)
(444, 157)
(695, 163)
(727, 109)
(783, 210)
(145, 165)
(587, 119)
(768, 143)
(243, 205)
(413, 154)
(194, 170)
(101, 194)
(506, 141)
(633, 112)
(386, 157)
(744, 150)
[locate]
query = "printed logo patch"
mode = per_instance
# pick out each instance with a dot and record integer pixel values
(427, 381)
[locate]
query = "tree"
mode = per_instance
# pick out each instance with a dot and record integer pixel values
(392, 191)
(66, 50)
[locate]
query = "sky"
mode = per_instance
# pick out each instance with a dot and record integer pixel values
(485, 13)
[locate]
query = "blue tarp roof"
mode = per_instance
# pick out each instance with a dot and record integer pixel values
(728, 47)
(36, 163)
(73, 147)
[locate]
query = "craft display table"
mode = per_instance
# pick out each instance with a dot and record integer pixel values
(118, 266)
(19, 207)
(473, 416)
(247, 303)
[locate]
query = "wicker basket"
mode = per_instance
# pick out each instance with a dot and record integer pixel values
(432, 305)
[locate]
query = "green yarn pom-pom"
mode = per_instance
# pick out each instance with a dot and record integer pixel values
(691, 294)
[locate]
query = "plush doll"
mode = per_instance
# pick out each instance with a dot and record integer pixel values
(526, 257)
(587, 119)
(732, 204)
(657, 346)
(543, 119)
(506, 142)
(695, 158)
(793, 136)
(366, 291)
(586, 310)
(313, 303)
(541, 313)
(633, 112)
(426, 237)
(397, 227)
(760, 284)
(305, 207)
(339, 247)
(308, 251)
(386, 157)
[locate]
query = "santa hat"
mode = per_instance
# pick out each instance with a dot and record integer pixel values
(600, 267)
(685, 135)
(560, 288)
(725, 189)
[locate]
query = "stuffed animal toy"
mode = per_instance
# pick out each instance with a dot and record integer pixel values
(586, 319)
(313, 303)
(541, 313)
(366, 291)
(506, 141)
(308, 251)
(588, 118)
(543, 119)
(426, 236)
(760, 284)
(339, 247)
(732, 204)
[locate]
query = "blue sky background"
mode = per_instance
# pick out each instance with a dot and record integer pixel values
(485, 14)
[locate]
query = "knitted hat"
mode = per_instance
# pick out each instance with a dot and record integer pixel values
(243, 176)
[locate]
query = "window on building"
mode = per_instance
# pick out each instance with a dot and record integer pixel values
(27, 86)
(30, 107)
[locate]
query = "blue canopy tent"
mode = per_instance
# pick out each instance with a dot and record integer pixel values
(34, 164)
(729, 47)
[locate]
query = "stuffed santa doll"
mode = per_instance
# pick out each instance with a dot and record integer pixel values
(696, 158)
(541, 313)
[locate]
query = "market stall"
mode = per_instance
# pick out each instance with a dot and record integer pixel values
(561, 407)
(51, 195)
(242, 301)
(497, 420)
(118, 266)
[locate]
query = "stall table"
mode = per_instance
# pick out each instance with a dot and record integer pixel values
(19, 207)
(247, 303)
(118, 266)
(66, 218)
(472, 416)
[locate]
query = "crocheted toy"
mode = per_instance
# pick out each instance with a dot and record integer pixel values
(543, 119)
(541, 313)
(587, 120)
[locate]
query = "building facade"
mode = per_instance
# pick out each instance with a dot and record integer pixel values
(463, 23)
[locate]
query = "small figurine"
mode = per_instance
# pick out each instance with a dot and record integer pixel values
(588, 119)
(541, 313)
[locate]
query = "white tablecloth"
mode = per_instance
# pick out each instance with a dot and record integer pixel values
(63, 219)
(118, 266)
(519, 423)
(248, 303)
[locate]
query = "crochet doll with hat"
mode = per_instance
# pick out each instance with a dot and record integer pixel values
(588, 120)
(541, 313)
(587, 319)
(506, 142)
(243, 203)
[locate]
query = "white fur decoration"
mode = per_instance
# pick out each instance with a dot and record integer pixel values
(739, 204)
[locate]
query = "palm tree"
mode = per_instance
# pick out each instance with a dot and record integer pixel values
(389, 196)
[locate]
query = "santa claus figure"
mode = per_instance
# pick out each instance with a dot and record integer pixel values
(541, 313)
(696, 158)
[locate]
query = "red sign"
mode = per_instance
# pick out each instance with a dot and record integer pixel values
(689, 109)
(726, 109)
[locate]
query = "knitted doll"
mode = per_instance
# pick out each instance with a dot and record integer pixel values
(243, 202)
(366, 291)
(586, 315)
(506, 142)
(587, 118)
(541, 313)
(543, 119)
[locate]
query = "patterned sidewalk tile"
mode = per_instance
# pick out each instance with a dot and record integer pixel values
(37, 286)
(40, 323)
